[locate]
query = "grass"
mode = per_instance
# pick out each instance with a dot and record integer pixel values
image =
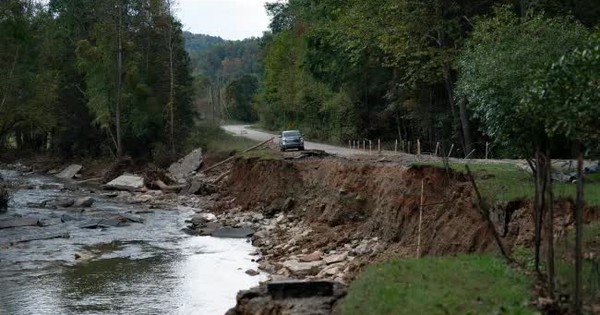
(217, 142)
(468, 284)
(506, 182)
(565, 263)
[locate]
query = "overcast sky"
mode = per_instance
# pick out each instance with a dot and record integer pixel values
(229, 19)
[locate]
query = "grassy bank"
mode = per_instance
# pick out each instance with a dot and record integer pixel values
(469, 284)
(565, 263)
(506, 182)
(219, 144)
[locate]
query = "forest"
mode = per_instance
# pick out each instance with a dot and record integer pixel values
(120, 77)
(434, 70)
(94, 78)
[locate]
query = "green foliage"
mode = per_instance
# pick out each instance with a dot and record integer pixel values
(61, 90)
(566, 97)
(507, 182)
(565, 266)
(500, 61)
(216, 142)
(440, 285)
(239, 93)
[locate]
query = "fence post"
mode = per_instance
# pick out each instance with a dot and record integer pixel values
(408, 148)
(379, 146)
(396, 146)
(451, 148)
(418, 147)
(364, 145)
(420, 220)
(487, 146)
(370, 147)
(437, 147)
(349, 145)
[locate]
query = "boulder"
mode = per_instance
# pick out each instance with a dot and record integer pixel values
(84, 256)
(70, 171)
(229, 232)
(84, 202)
(126, 182)
(187, 166)
(252, 272)
(315, 256)
(298, 268)
(18, 222)
(332, 259)
(144, 198)
(208, 228)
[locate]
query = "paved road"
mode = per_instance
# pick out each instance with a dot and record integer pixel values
(245, 131)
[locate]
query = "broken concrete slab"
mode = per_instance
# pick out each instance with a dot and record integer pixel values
(70, 171)
(230, 232)
(126, 182)
(19, 222)
(84, 202)
(295, 289)
(187, 166)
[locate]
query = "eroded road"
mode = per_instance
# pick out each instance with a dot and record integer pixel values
(246, 131)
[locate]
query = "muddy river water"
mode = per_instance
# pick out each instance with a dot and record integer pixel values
(143, 268)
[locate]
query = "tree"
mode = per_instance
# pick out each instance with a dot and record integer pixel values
(567, 97)
(240, 93)
(496, 67)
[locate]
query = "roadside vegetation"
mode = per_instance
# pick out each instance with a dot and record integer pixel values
(467, 284)
(507, 182)
(216, 142)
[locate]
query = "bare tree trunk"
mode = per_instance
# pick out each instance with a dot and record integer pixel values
(10, 75)
(172, 78)
(537, 208)
(119, 82)
(549, 225)
(212, 100)
(464, 118)
(579, 233)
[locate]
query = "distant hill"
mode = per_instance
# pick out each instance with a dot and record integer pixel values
(199, 42)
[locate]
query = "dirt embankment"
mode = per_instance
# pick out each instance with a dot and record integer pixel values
(349, 199)
(369, 211)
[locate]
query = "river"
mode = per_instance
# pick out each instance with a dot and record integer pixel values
(144, 268)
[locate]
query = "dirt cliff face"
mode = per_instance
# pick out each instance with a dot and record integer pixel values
(341, 198)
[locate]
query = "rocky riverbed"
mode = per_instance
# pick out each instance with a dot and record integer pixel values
(95, 252)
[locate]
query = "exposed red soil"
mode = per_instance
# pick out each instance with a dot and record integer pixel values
(340, 199)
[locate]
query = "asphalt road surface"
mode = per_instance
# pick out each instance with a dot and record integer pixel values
(245, 131)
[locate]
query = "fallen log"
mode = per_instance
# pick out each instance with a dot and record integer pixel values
(220, 178)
